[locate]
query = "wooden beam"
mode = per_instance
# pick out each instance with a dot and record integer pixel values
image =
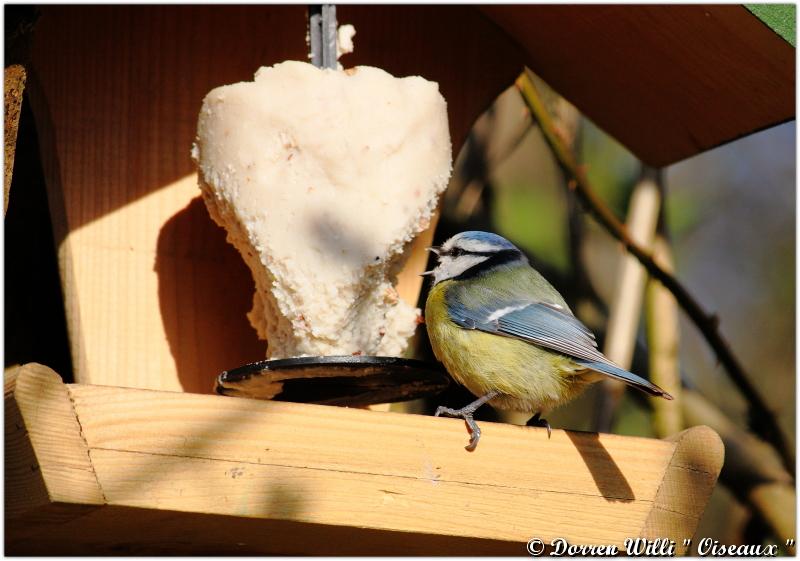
(41, 410)
(150, 463)
(676, 512)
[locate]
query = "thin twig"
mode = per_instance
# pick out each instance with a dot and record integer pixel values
(761, 418)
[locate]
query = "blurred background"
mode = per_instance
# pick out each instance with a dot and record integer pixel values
(729, 218)
(729, 215)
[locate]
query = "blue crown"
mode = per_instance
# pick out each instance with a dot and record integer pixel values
(486, 237)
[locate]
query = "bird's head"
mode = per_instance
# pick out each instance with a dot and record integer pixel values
(473, 253)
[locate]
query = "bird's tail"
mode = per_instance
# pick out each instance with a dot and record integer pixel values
(624, 376)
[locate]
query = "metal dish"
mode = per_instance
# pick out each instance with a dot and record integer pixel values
(335, 380)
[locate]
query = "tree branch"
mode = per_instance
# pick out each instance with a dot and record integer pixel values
(761, 418)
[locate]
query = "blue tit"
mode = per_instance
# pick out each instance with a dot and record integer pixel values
(507, 335)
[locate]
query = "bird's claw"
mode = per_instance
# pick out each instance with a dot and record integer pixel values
(441, 410)
(474, 433)
(537, 421)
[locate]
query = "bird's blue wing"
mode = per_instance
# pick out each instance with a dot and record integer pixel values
(613, 371)
(540, 323)
(549, 326)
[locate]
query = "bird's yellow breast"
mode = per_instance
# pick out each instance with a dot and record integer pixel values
(528, 377)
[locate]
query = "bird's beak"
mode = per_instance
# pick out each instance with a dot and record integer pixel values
(434, 249)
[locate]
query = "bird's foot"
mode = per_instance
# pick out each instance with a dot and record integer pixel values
(537, 421)
(466, 413)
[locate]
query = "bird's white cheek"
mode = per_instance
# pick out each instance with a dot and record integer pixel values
(452, 267)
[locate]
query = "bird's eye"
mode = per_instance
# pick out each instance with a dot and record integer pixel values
(457, 252)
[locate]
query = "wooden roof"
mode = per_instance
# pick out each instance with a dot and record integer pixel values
(666, 81)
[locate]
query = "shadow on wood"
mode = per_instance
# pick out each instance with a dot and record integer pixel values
(204, 292)
(607, 476)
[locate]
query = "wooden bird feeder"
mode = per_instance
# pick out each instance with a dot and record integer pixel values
(110, 470)
(133, 459)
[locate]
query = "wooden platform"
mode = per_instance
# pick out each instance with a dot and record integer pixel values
(107, 470)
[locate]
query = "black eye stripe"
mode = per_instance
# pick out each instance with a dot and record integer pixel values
(496, 259)
(458, 252)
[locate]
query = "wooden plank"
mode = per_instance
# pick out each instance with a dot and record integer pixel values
(155, 297)
(342, 498)
(161, 459)
(289, 434)
(116, 530)
(302, 462)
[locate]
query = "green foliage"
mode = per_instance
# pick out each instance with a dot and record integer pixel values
(534, 215)
(611, 168)
(684, 211)
(633, 418)
(781, 18)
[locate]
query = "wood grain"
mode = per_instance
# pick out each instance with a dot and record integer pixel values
(698, 458)
(151, 458)
(25, 489)
(409, 446)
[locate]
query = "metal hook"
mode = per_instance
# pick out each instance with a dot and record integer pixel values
(322, 35)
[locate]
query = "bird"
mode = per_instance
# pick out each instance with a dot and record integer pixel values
(506, 334)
